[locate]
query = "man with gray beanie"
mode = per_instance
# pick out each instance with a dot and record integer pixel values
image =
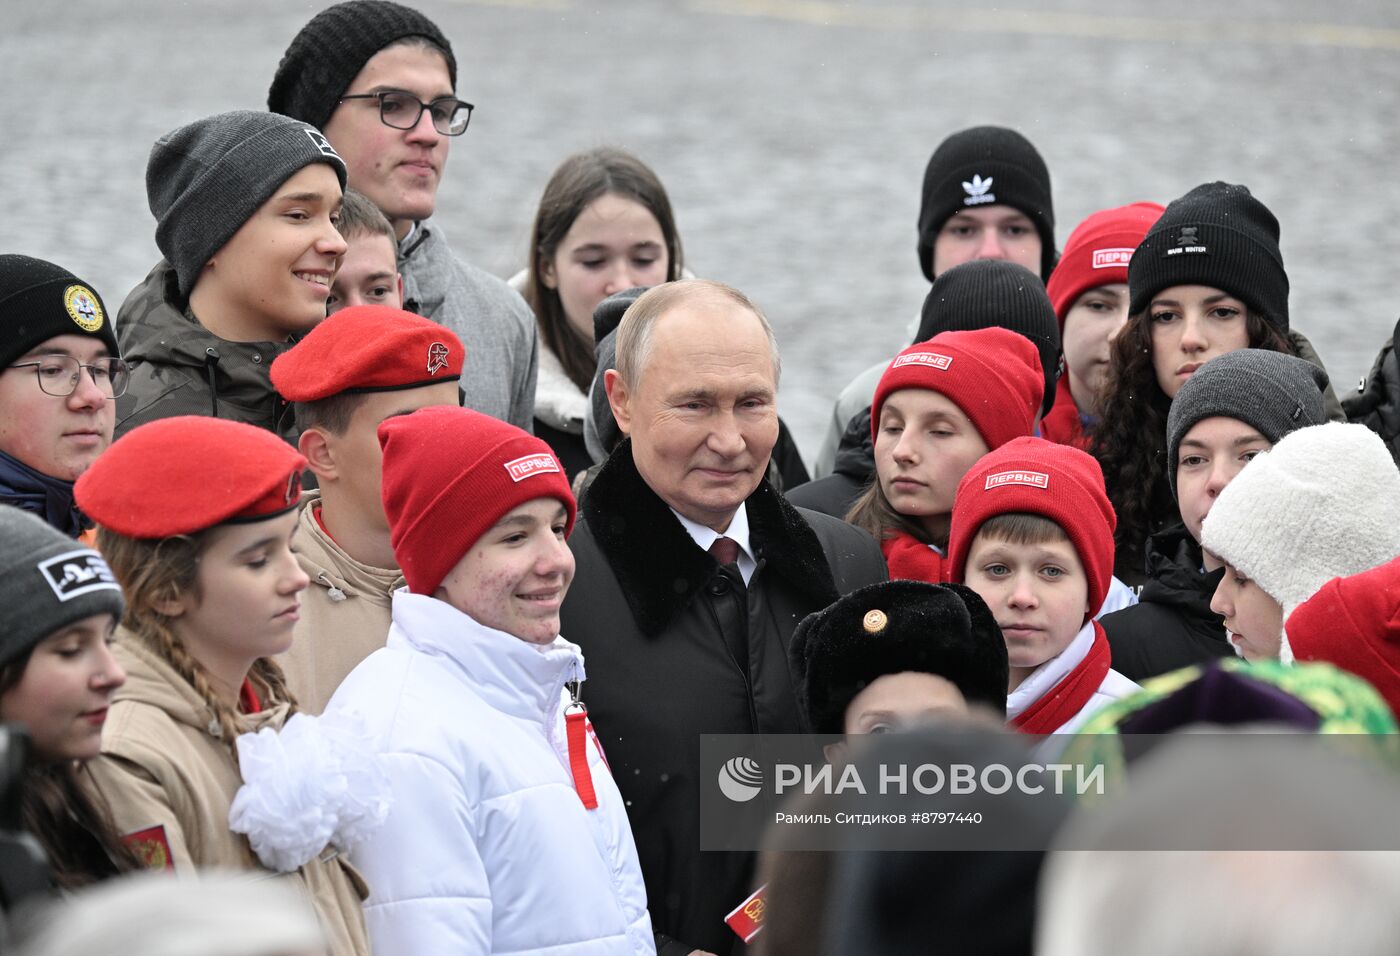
(245, 205)
(1234, 407)
(380, 78)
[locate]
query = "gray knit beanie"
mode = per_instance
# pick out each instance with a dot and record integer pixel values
(47, 581)
(205, 179)
(1323, 503)
(1271, 391)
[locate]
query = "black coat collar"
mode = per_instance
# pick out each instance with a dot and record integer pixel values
(659, 566)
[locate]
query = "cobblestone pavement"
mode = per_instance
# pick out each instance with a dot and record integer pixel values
(792, 134)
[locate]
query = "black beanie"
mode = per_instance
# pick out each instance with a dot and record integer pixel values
(994, 293)
(1270, 391)
(986, 165)
(891, 628)
(329, 52)
(39, 300)
(1216, 235)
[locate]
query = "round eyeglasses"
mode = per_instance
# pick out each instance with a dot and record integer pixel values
(403, 111)
(58, 375)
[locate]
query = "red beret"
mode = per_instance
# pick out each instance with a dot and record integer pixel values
(185, 474)
(368, 348)
(1098, 252)
(994, 375)
(449, 475)
(1035, 476)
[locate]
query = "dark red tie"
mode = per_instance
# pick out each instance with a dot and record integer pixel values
(725, 550)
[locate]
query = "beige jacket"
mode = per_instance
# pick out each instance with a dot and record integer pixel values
(170, 783)
(345, 613)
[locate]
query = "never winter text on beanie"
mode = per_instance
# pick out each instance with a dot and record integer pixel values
(1035, 476)
(986, 166)
(993, 293)
(205, 179)
(1216, 235)
(185, 474)
(993, 375)
(39, 300)
(449, 475)
(1324, 502)
(47, 582)
(1098, 253)
(324, 58)
(1270, 391)
(890, 628)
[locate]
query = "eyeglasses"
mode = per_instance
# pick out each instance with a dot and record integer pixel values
(403, 111)
(58, 375)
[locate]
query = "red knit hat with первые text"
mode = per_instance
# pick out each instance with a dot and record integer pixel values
(992, 374)
(184, 474)
(1035, 476)
(1098, 253)
(449, 475)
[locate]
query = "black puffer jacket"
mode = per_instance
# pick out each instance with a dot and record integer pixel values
(855, 467)
(677, 646)
(178, 367)
(1377, 404)
(1172, 625)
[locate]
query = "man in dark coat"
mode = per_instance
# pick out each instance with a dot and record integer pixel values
(693, 572)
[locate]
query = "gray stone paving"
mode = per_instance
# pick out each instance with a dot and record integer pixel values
(792, 134)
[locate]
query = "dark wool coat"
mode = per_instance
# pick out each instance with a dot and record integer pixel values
(675, 647)
(1172, 625)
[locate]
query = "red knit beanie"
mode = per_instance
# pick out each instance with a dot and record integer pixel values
(449, 475)
(1354, 623)
(1098, 252)
(1035, 476)
(185, 474)
(993, 375)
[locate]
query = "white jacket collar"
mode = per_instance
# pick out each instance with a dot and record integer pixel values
(558, 401)
(511, 675)
(1050, 673)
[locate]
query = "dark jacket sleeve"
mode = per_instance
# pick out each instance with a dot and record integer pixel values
(1377, 404)
(852, 554)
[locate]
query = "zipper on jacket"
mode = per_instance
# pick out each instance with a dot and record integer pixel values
(211, 363)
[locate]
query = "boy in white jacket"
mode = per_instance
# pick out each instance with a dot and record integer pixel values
(507, 833)
(1032, 534)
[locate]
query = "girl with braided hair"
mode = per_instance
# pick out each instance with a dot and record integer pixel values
(196, 517)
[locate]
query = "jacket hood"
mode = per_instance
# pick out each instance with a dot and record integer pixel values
(855, 456)
(512, 675)
(154, 329)
(558, 401)
(151, 680)
(331, 568)
(1175, 576)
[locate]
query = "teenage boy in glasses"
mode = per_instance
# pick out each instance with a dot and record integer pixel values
(380, 79)
(59, 374)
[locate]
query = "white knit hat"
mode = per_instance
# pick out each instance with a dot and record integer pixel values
(1324, 503)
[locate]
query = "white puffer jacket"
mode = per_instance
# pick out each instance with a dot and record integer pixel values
(488, 847)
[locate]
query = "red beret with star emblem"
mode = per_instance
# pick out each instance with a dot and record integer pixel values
(368, 348)
(185, 474)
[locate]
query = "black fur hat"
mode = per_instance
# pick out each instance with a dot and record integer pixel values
(890, 628)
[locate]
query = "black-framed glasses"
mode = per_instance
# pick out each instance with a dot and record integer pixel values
(403, 111)
(58, 375)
